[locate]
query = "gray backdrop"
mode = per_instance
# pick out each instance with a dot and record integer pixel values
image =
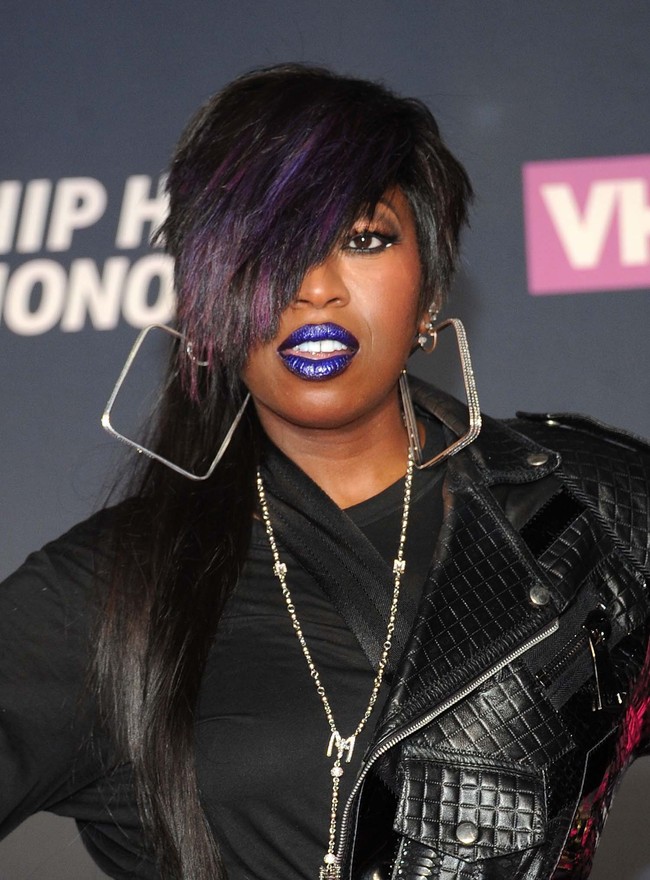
(93, 96)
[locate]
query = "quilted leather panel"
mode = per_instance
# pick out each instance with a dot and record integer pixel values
(573, 554)
(624, 592)
(478, 610)
(506, 810)
(611, 476)
(508, 719)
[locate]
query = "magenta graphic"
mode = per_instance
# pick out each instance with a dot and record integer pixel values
(587, 224)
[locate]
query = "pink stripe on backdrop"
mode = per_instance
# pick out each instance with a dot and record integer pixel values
(587, 224)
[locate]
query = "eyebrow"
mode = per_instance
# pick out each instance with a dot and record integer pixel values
(386, 203)
(389, 205)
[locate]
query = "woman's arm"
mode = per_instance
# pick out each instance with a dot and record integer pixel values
(48, 744)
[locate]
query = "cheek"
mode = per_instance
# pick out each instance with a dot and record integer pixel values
(255, 369)
(267, 379)
(397, 308)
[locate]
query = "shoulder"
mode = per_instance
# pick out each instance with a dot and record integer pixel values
(604, 468)
(591, 452)
(62, 579)
(584, 447)
(607, 468)
(574, 429)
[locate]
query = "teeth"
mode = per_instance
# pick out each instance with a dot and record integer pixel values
(322, 346)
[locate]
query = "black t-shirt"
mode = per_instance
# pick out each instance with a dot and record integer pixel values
(261, 732)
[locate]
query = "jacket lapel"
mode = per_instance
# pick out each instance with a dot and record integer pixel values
(477, 607)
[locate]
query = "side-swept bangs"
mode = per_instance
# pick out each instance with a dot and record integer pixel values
(271, 173)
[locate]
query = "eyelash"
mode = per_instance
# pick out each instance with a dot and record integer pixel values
(386, 240)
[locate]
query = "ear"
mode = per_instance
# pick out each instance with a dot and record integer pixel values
(423, 323)
(429, 316)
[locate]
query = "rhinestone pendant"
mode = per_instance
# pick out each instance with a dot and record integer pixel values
(341, 745)
(330, 870)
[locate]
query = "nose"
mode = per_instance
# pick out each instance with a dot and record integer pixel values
(322, 286)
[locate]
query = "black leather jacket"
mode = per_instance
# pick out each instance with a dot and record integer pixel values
(522, 695)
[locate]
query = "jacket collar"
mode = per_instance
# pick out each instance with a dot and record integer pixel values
(499, 454)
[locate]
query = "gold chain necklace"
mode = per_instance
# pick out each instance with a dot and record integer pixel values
(339, 745)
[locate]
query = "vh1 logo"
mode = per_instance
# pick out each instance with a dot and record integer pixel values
(587, 224)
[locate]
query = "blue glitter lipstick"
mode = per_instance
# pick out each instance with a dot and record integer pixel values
(318, 351)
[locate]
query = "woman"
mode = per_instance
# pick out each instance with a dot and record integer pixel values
(312, 655)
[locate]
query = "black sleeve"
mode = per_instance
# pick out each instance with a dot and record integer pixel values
(54, 754)
(48, 744)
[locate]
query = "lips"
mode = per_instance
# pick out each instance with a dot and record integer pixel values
(318, 351)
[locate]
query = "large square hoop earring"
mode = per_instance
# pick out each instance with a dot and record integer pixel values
(471, 394)
(106, 415)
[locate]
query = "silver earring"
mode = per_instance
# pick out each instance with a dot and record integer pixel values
(473, 407)
(427, 340)
(106, 415)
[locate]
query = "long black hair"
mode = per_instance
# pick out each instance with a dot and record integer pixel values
(266, 179)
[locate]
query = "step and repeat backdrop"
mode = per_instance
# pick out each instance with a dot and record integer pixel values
(545, 103)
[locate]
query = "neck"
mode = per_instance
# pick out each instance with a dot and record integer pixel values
(352, 462)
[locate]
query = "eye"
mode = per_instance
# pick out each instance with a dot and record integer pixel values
(369, 241)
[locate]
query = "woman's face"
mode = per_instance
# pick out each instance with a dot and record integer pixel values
(342, 343)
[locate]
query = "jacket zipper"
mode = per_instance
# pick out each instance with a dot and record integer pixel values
(564, 658)
(592, 639)
(414, 726)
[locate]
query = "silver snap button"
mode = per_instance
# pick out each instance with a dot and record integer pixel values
(467, 833)
(537, 459)
(539, 595)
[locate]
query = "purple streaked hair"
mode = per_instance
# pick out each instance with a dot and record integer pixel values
(267, 179)
(270, 174)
